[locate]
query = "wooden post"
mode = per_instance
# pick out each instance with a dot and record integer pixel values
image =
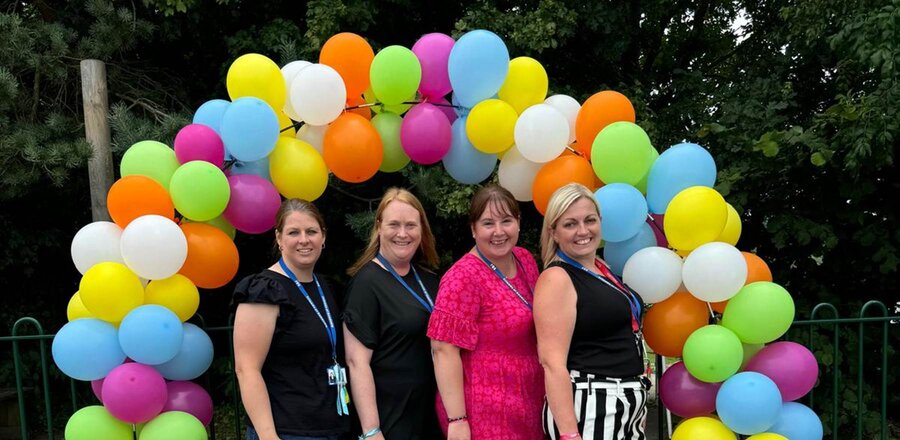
(96, 130)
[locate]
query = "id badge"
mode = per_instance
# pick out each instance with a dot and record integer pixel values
(337, 375)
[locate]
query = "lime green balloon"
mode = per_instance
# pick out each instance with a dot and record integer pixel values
(171, 425)
(642, 185)
(199, 190)
(622, 153)
(152, 159)
(388, 127)
(713, 353)
(93, 422)
(397, 109)
(222, 224)
(395, 74)
(761, 312)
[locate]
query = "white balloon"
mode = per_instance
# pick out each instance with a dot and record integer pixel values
(654, 273)
(289, 72)
(318, 94)
(516, 174)
(569, 107)
(714, 272)
(96, 242)
(313, 135)
(154, 247)
(541, 133)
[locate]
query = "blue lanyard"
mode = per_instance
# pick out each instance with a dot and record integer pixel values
(429, 305)
(329, 326)
(505, 280)
(633, 302)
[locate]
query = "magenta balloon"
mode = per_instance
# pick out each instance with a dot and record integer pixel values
(790, 365)
(199, 142)
(190, 398)
(433, 52)
(97, 388)
(684, 395)
(446, 109)
(425, 134)
(656, 224)
(253, 204)
(134, 393)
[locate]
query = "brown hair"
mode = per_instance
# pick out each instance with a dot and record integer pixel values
(560, 201)
(297, 205)
(492, 193)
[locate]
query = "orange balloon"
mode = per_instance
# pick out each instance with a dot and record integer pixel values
(352, 148)
(757, 270)
(365, 112)
(133, 196)
(669, 323)
(598, 111)
(557, 173)
(212, 258)
(351, 55)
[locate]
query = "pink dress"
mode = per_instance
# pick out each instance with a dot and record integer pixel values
(503, 379)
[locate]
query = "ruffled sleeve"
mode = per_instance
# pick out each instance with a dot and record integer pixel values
(262, 288)
(455, 316)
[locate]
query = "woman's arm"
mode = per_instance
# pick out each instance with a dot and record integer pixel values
(254, 325)
(362, 383)
(448, 371)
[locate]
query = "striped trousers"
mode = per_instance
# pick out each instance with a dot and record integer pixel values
(605, 408)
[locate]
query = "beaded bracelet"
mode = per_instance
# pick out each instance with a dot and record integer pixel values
(371, 433)
(456, 419)
(570, 436)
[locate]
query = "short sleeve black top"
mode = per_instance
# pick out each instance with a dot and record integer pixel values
(294, 371)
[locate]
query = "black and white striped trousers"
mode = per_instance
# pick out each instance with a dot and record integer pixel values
(605, 408)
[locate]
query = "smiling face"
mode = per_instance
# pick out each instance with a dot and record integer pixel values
(577, 232)
(496, 231)
(300, 240)
(399, 232)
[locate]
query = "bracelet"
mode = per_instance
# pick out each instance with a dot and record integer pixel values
(371, 433)
(569, 436)
(456, 419)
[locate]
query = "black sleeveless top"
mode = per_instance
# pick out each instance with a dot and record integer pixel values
(603, 342)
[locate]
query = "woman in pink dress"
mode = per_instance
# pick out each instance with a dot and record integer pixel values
(490, 381)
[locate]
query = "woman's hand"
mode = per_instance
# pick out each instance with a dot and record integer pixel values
(459, 431)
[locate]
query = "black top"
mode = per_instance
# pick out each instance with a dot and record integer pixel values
(385, 317)
(302, 402)
(603, 342)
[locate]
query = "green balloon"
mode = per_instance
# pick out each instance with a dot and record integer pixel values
(622, 153)
(750, 350)
(395, 74)
(642, 185)
(199, 190)
(713, 353)
(173, 425)
(221, 224)
(93, 422)
(761, 312)
(397, 109)
(152, 159)
(388, 127)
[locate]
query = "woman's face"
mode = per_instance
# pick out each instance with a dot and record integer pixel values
(496, 232)
(400, 232)
(577, 231)
(301, 240)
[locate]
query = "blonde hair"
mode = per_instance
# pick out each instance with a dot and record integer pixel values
(561, 200)
(426, 255)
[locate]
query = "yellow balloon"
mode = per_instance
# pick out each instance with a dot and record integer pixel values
(767, 436)
(76, 308)
(491, 125)
(110, 290)
(297, 169)
(176, 293)
(284, 122)
(525, 84)
(256, 75)
(695, 216)
(732, 232)
(706, 428)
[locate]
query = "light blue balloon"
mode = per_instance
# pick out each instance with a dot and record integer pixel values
(681, 166)
(461, 111)
(87, 349)
(477, 66)
(249, 129)
(210, 114)
(463, 162)
(151, 334)
(749, 403)
(617, 254)
(258, 168)
(797, 422)
(194, 356)
(623, 210)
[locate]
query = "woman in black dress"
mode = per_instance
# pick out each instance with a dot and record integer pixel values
(389, 302)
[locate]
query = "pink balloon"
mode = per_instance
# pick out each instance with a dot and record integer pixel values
(684, 395)
(190, 398)
(433, 52)
(425, 134)
(253, 204)
(790, 365)
(134, 393)
(199, 142)
(446, 109)
(657, 226)
(97, 388)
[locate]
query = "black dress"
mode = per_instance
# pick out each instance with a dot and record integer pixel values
(385, 318)
(303, 403)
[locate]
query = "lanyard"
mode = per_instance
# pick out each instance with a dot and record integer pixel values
(609, 279)
(329, 326)
(426, 303)
(505, 280)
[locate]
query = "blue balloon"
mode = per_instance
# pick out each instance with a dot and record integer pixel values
(258, 168)
(463, 162)
(150, 334)
(249, 129)
(617, 254)
(623, 210)
(477, 66)
(193, 358)
(680, 167)
(458, 108)
(797, 422)
(210, 114)
(87, 349)
(749, 403)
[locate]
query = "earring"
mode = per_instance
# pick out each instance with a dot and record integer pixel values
(323, 245)
(280, 249)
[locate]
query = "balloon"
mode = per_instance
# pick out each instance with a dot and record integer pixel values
(154, 247)
(760, 313)
(732, 231)
(200, 191)
(199, 142)
(354, 104)
(87, 349)
(541, 133)
(757, 269)
(93, 422)
(624, 211)
(318, 94)
(790, 365)
(152, 159)
(557, 173)
(433, 52)
(491, 126)
(97, 388)
(525, 84)
(352, 148)
(706, 428)
(190, 398)
(713, 353)
(397, 109)
(314, 135)
(622, 152)
(517, 174)
(395, 74)
(285, 124)
(194, 356)
(174, 424)
(678, 168)
(797, 422)
(446, 108)
(253, 204)
(464, 163)
(298, 170)
(425, 134)
(654, 273)
(176, 293)
(599, 111)
(257, 168)
(695, 216)
(685, 396)
(351, 56)
(656, 223)
(748, 403)
(617, 254)
(151, 334)
(569, 108)
(95, 243)
(714, 271)
(210, 114)
(219, 223)
(289, 72)
(110, 290)
(249, 129)
(133, 196)
(256, 75)
(388, 125)
(134, 393)
(212, 258)
(750, 350)
(478, 64)
(766, 436)
(76, 309)
(668, 324)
